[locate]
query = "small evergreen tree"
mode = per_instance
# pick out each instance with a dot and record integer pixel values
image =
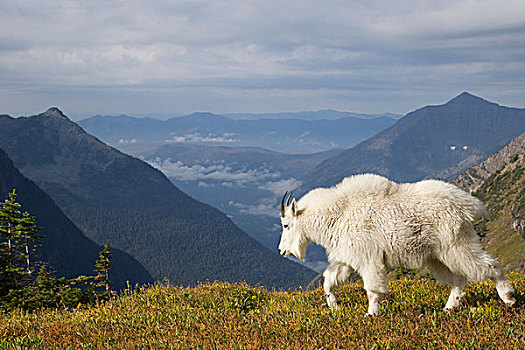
(29, 239)
(18, 237)
(18, 285)
(102, 267)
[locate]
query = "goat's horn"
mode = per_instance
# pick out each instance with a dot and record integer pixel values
(289, 199)
(282, 204)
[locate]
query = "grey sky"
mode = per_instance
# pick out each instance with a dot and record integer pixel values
(176, 57)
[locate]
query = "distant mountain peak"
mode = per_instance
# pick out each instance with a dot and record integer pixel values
(466, 97)
(53, 112)
(202, 114)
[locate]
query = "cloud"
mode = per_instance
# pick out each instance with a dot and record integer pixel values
(123, 141)
(279, 187)
(265, 207)
(220, 174)
(196, 137)
(259, 55)
(217, 172)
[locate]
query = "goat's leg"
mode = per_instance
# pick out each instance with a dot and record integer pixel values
(456, 293)
(334, 275)
(473, 262)
(443, 274)
(504, 288)
(375, 284)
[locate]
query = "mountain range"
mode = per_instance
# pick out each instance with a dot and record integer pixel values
(113, 196)
(109, 194)
(63, 245)
(434, 141)
(281, 135)
(326, 114)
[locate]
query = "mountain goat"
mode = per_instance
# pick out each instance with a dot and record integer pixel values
(368, 223)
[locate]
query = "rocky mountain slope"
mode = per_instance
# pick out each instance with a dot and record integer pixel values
(115, 197)
(453, 136)
(473, 177)
(499, 182)
(69, 252)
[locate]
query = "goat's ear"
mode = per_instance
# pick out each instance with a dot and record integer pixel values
(296, 211)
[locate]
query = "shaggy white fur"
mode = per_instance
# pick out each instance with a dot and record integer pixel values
(368, 223)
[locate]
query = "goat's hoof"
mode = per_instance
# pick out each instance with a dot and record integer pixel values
(510, 302)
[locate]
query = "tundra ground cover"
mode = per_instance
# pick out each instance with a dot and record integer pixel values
(236, 316)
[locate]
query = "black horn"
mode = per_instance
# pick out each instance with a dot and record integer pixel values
(282, 204)
(289, 199)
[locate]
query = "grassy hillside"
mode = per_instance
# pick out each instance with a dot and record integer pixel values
(226, 316)
(502, 191)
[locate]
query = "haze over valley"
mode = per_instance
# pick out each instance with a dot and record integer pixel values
(246, 182)
(221, 160)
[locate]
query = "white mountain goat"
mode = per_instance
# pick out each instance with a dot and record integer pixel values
(368, 223)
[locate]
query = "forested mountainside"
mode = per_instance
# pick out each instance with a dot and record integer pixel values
(246, 183)
(499, 182)
(112, 196)
(453, 136)
(64, 247)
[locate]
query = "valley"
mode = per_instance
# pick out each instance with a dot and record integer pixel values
(246, 182)
(112, 196)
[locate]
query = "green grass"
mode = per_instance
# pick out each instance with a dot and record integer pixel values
(226, 316)
(505, 244)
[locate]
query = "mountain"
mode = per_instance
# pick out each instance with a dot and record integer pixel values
(473, 178)
(328, 114)
(113, 196)
(457, 135)
(281, 135)
(499, 182)
(69, 252)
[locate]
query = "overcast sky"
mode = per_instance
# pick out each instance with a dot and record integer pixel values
(176, 57)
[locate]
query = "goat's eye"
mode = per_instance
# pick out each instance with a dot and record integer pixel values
(285, 226)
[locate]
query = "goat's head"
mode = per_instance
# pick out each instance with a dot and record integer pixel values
(293, 241)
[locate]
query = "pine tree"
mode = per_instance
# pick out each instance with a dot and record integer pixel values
(102, 267)
(18, 235)
(29, 238)
(19, 287)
